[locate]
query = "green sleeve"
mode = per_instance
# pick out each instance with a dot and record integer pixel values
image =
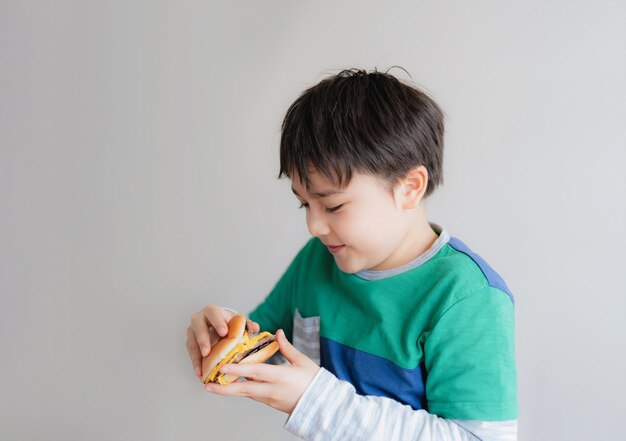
(470, 359)
(276, 311)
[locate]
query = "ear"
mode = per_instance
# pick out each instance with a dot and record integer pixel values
(411, 189)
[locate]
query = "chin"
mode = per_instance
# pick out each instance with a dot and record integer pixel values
(347, 268)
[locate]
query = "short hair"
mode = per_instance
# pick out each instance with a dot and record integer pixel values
(357, 121)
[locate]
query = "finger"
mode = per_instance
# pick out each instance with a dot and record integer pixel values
(194, 352)
(255, 371)
(213, 337)
(289, 352)
(200, 329)
(251, 389)
(253, 327)
(218, 318)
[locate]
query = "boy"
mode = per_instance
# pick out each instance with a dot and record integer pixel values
(399, 331)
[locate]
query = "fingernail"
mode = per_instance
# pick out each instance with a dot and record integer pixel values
(208, 387)
(225, 369)
(223, 331)
(205, 351)
(198, 372)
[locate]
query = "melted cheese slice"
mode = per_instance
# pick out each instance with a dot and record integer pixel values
(244, 345)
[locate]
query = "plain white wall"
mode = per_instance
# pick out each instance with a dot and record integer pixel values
(138, 163)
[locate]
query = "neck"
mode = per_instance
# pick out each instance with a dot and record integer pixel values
(419, 238)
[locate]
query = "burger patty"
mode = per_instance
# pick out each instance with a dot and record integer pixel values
(259, 345)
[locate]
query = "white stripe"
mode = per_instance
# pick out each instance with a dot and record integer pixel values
(307, 341)
(330, 409)
(318, 397)
(306, 346)
(345, 428)
(331, 412)
(308, 326)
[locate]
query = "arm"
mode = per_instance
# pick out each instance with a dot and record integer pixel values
(330, 409)
(470, 385)
(276, 310)
(322, 407)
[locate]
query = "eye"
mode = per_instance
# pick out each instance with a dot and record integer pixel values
(332, 210)
(328, 210)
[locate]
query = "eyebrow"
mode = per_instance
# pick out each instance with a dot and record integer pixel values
(321, 195)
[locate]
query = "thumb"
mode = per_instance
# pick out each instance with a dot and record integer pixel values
(289, 352)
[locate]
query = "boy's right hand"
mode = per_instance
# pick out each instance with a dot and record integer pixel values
(207, 326)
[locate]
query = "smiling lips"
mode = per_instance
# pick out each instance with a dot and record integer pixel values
(335, 249)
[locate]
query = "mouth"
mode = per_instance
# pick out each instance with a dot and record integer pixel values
(335, 249)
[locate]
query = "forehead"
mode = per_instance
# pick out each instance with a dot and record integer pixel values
(322, 187)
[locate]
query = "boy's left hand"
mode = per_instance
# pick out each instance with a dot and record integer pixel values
(278, 386)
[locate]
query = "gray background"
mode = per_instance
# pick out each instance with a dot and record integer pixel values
(138, 163)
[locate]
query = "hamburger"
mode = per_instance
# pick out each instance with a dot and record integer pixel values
(237, 347)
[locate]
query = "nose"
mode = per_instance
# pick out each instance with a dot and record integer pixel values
(317, 224)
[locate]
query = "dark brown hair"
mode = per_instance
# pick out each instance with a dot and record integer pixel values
(357, 121)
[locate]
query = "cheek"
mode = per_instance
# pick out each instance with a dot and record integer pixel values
(360, 230)
(373, 231)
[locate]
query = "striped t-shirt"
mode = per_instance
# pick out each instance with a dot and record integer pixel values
(436, 334)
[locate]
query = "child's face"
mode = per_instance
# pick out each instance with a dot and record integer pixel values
(369, 222)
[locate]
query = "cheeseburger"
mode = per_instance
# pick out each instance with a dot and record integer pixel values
(236, 347)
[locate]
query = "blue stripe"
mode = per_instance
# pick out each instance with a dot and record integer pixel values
(493, 278)
(374, 375)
